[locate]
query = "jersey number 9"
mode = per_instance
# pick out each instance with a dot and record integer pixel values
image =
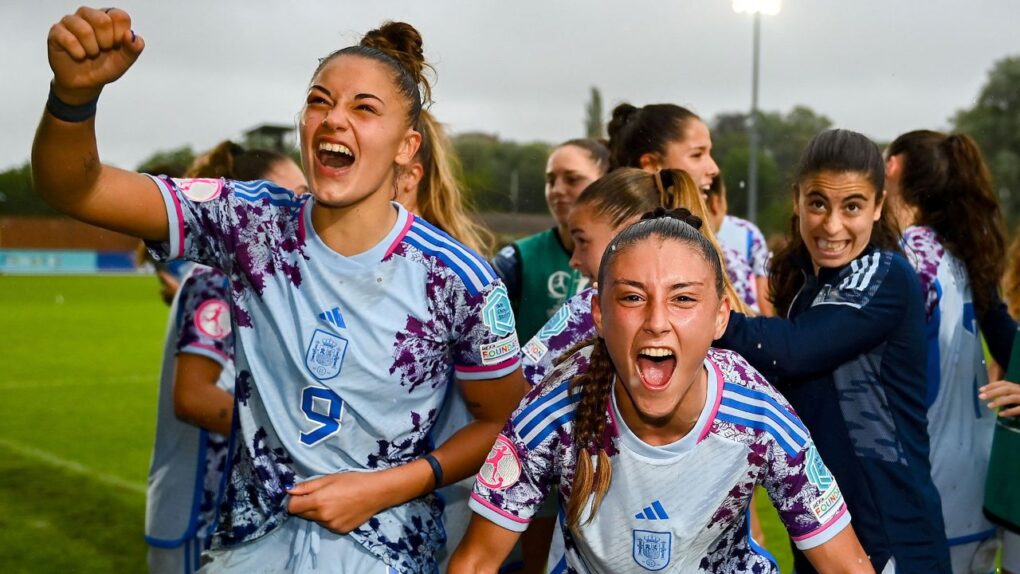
(324, 407)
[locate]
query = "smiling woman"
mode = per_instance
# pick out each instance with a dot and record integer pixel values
(677, 431)
(351, 315)
(847, 351)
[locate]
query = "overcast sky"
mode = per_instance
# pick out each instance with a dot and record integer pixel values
(521, 69)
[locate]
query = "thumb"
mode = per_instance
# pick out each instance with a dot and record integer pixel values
(132, 45)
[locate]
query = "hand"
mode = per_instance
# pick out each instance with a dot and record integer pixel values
(1002, 394)
(340, 502)
(89, 49)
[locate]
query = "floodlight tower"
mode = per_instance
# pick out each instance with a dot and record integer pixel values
(757, 8)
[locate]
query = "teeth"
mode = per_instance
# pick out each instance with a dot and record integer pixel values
(335, 148)
(822, 243)
(655, 352)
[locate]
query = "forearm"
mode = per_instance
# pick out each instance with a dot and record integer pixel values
(208, 407)
(65, 162)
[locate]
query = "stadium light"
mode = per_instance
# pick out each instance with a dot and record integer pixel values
(757, 8)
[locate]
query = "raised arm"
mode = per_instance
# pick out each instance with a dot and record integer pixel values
(87, 50)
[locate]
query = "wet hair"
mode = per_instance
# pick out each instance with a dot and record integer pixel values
(441, 197)
(840, 151)
(626, 193)
(398, 45)
(633, 131)
(231, 161)
(597, 150)
(945, 177)
(596, 383)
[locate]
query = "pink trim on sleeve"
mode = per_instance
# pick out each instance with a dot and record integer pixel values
(497, 510)
(718, 402)
(487, 368)
(171, 191)
(823, 527)
(400, 236)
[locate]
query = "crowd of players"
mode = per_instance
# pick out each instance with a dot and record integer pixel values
(344, 387)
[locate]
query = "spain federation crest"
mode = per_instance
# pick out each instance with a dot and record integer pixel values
(325, 355)
(497, 314)
(652, 550)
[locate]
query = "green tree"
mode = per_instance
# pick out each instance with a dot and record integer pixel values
(172, 162)
(17, 196)
(994, 122)
(493, 168)
(783, 137)
(593, 127)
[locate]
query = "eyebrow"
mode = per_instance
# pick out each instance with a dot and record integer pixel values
(367, 96)
(673, 287)
(321, 89)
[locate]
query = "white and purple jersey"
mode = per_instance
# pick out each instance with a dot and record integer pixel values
(746, 256)
(682, 507)
(186, 474)
(570, 325)
(960, 425)
(343, 362)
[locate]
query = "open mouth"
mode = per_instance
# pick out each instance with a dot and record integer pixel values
(656, 366)
(334, 155)
(831, 247)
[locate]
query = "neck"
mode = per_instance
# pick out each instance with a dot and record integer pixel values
(354, 229)
(669, 429)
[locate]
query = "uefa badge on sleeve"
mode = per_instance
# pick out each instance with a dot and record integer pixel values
(497, 314)
(325, 355)
(652, 550)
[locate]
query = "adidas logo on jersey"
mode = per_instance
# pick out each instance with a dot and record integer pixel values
(333, 317)
(653, 512)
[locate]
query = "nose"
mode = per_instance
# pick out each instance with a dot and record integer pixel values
(713, 168)
(832, 222)
(336, 118)
(656, 321)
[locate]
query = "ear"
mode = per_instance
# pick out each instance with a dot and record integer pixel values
(407, 186)
(596, 314)
(893, 166)
(408, 147)
(722, 318)
(650, 162)
(879, 204)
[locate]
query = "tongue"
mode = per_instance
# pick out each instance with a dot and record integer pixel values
(335, 160)
(656, 373)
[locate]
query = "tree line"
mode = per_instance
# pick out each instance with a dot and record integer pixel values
(508, 176)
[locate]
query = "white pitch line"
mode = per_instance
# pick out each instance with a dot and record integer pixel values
(76, 382)
(70, 465)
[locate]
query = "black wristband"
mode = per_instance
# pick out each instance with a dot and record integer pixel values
(68, 113)
(437, 470)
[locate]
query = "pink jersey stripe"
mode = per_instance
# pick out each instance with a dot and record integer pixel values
(718, 402)
(823, 527)
(400, 236)
(486, 368)
(301, 222)
(180, 222)
(207, 348)
(498, 511)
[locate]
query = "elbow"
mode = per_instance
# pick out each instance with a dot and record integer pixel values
(184, 410)
(463, 562)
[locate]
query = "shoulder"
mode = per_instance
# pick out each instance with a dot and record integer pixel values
(748, 400)
(203, 283)
(923, 249)
(537, 240)
(445, 254)
(875, 272)
(550, 406)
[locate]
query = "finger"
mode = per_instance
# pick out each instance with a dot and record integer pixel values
(61, 39)
(302, 506)
(1010, 412)
(306, 487)
(121, 25)
(131, 46)
(84, 33)
(102, 26)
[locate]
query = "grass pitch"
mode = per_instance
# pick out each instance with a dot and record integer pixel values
(79, 370)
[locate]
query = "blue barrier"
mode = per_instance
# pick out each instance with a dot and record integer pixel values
(43, 261)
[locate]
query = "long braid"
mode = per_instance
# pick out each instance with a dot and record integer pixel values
(589, 432)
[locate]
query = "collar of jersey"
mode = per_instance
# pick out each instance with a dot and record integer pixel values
(670, 451)
(368, 258)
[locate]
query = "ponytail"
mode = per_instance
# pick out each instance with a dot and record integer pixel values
(946, 178)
